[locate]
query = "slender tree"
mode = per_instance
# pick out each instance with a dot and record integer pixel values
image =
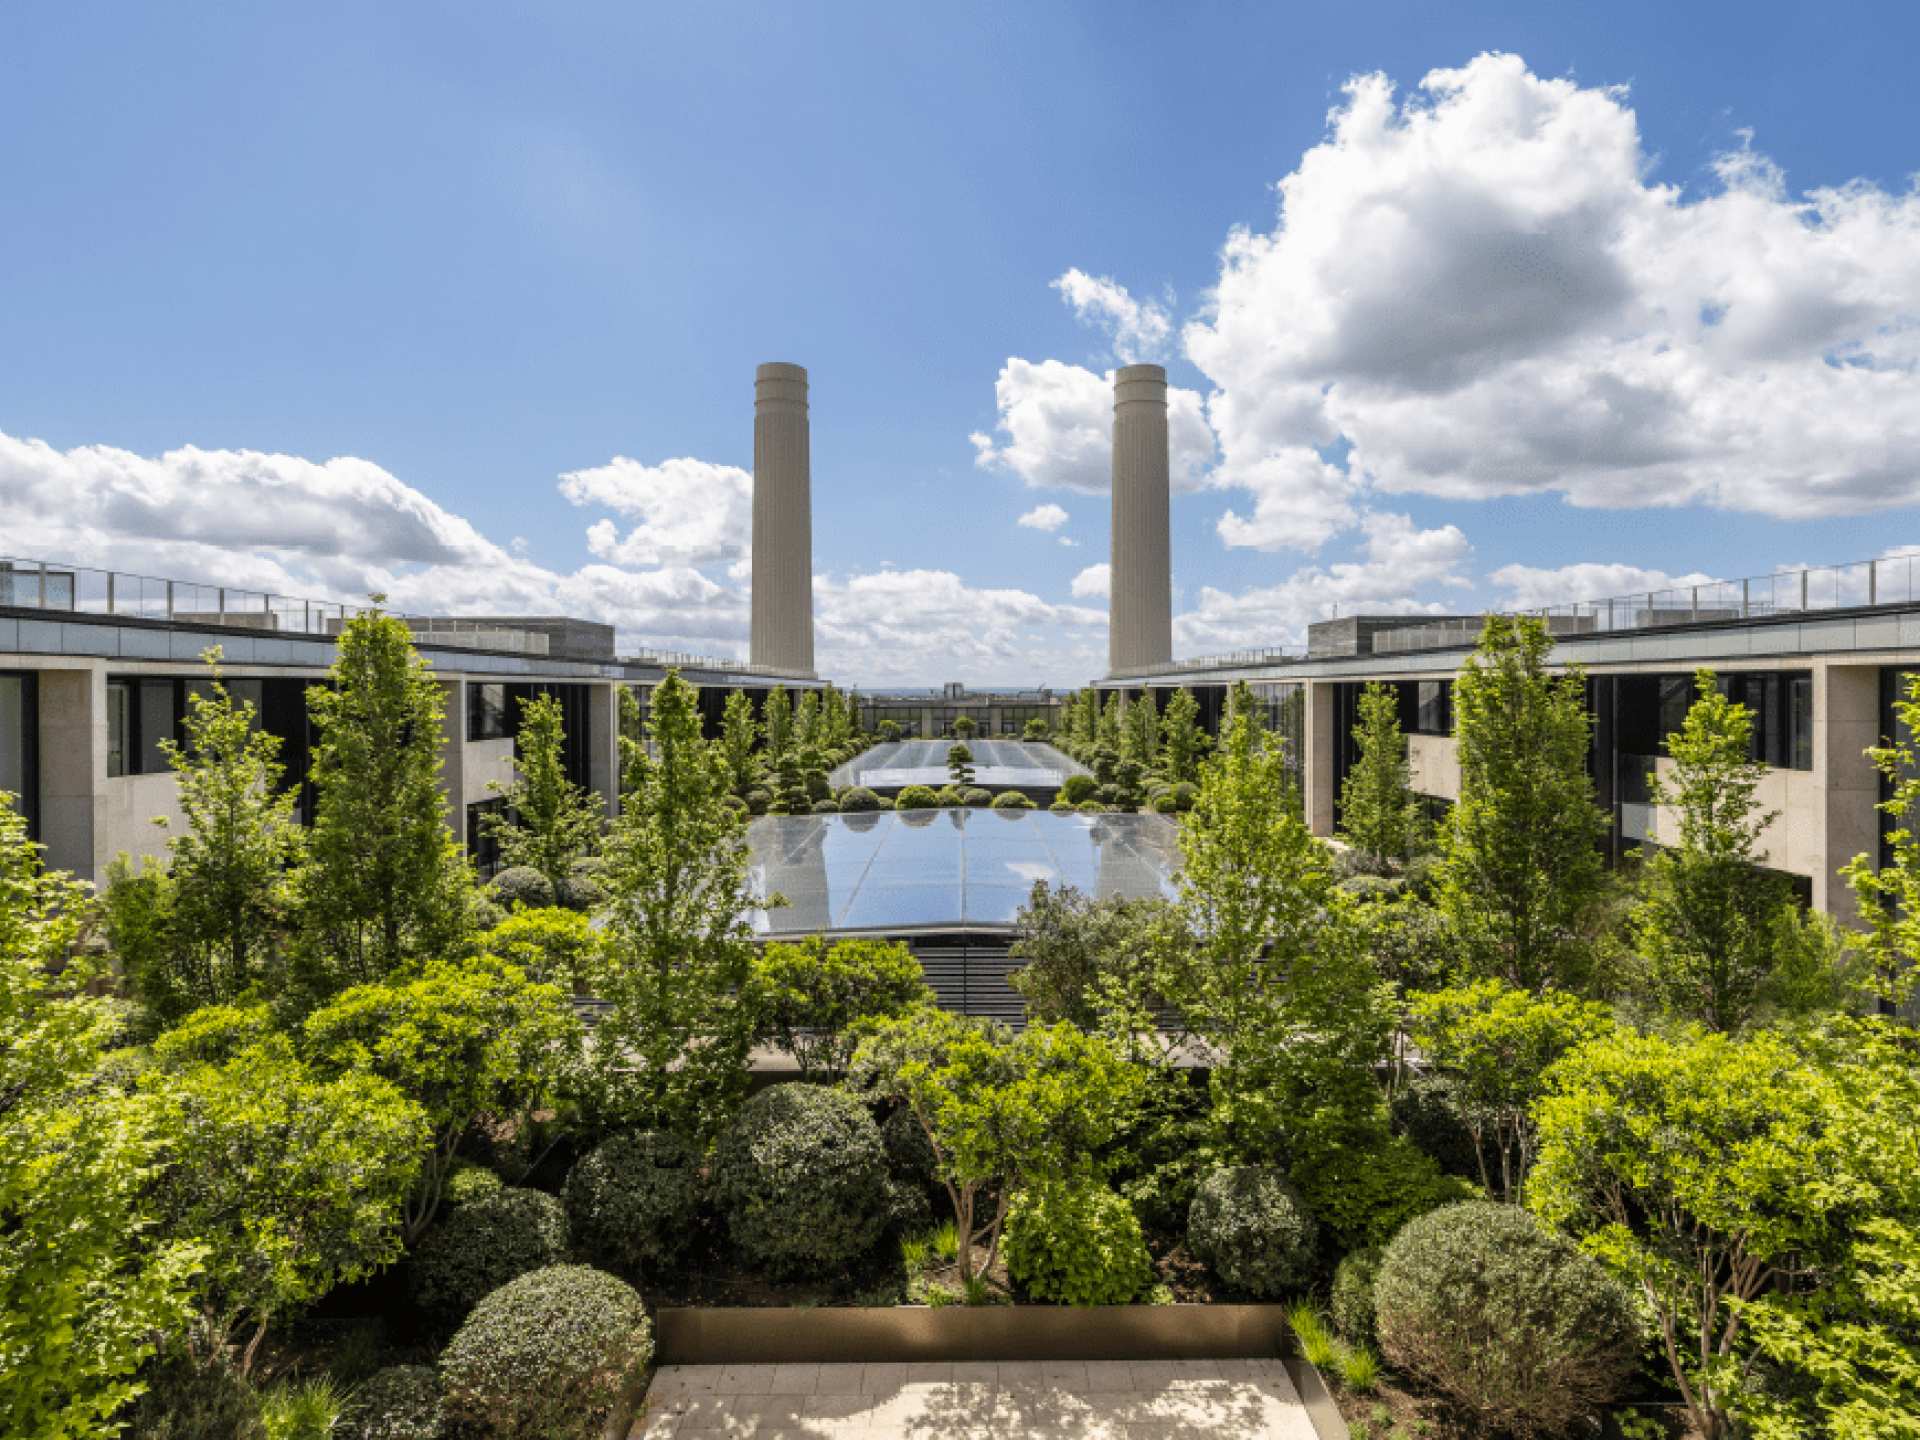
(1182, 742)
(1380, 815)
(1108, 732)
(672, 1051)
(385, 883)
(806, 721)
(1521, 873)
(1140, 730)
(550, 821)
(776, 722)
(739, 733)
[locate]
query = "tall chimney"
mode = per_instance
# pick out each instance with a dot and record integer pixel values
(782, 632)
(1140, 606)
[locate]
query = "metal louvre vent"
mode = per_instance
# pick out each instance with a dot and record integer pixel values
(968, 974)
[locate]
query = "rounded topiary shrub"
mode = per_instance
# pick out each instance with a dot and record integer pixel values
(1164, 803)
(951, 795)
(977, 797)
(1185, 792)
(1351, 1300)
(1076, 788)
(825, 807)
(917, 797)
(801, 1178)
(1012, 800)
(401, 1402)
(554, 1355)
(859, 798)
(1091, 807)
(522, 885)
(468, 1183)
(585, 885)
(633, 1201)
(1076, 1243)
(1514, 1323)
(757, 801)
(1061, 807)
(481, 1246)
(1250, 1228)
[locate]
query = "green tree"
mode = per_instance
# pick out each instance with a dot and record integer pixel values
(550, 822)
(1276, 980)
(789, 778)
(1107, 732)
(84, 1285)
(1379, 813)
(385, 883)
(467, 1041)
(1140, 731)
(965, 727)
(1087, 961)
(1035, 728)
(1521, 875)
(776, 722)
(1718, 938)
(292, 1182)
(1001, 1111)
(811, 994)
(806, 721)
(959, 765)
(1182, 741)
(1889, 895)
(1725, 1177)
(1498, 1044)
(671, 1053)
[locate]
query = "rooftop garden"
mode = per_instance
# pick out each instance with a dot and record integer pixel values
(302, 1134)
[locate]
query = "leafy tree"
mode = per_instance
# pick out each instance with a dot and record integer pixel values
(1140, 731)
(1276, 979)
(1498, 1043)
(550, 821)
(553, 945)
(853, 716)
(293, 1183)
(1093, 962)
(776, 721)
(1726, 1177)
(1718, 937)
(1889, 895)
(1107, 733)
(889, 730)
(810, 996)
(1001, 1111)
(84, 1288)
(1035, 728)
(1521, 872)
(385, 883)
(467, 1040)
(671, 1053)
(959, 765)
(806, 721)
(1182, 741)
(965, 727)
(1379, 813)
(789, 777)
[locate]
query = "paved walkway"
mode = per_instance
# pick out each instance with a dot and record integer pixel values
(1011, 1400)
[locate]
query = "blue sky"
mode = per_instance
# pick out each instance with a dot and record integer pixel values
(463, 251)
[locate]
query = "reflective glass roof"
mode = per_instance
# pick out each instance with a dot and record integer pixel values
(934, 869)
(997, 764)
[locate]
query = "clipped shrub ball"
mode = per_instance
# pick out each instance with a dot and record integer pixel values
(1077, 788)
(1250, 1228)
(801, 1178)
(1427, 1111)
(1061, 807)
(977, 797)
(468, 1183)
(824, 807)
(1091, 807)
(819, 787)
(585, 885)
(522, 885)
(1514, 1323)
(632, 1201)
(857, 799)
(1351, 1300)
(1076, 1243)
(1185, 792)
(757, 801)
(480, 1247)
(554, 1355)
(1164, 803)
(401, 1402)
(950, 796)
(917, 797)
(1012, 800)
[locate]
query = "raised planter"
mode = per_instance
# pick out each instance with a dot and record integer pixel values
(750, 1336)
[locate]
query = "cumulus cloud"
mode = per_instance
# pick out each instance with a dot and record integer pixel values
(1139, 329)
(1398, 562)
(1480, 289)
(1529, 587)
(1046, 518)
(688, 511)
(1094, 583)
(1055, 429)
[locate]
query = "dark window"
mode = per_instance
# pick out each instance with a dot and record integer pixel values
(1800, 706)
(1433, 712)
(19, 745)
(481, 845)
(487, 717)
(140, 714)
(1652, 707)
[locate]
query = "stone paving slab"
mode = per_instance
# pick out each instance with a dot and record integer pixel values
(1007, 1400)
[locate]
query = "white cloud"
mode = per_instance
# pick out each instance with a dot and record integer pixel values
(1398, 562)
(1046, 518)
(1139, 329)
(1056, 421)
(1094, 583)
(1529, 587)
(1069, 542)
(689, 511)
(1481, 291)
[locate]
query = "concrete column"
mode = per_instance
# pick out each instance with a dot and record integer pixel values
(603, 738)
(782, 632)
(1318, 761)
(1846, 720)
(1140, 610)
(73, 769)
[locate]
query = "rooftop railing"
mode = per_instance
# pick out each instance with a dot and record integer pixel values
(687, 660)
(1229, 660)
